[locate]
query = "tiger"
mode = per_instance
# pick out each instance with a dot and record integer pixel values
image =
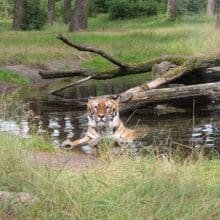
(103, 122)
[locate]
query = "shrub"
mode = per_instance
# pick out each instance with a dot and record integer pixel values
(99, 6)
(130, 9)
(35, 16)
(191, 6)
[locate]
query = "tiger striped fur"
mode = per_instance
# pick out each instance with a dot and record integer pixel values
(103, 122)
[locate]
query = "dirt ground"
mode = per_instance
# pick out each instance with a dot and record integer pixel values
(72, 161)
(31, 73)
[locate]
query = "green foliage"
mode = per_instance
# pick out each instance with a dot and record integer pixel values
(99, 6)
(35, 15)
(191, 6)
(59, 10)
(121, 9)
(12, 78)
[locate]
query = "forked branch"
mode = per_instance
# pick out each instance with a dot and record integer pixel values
(93, 50)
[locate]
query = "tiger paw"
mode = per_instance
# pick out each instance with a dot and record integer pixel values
(66, 144)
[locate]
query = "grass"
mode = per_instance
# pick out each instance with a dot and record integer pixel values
(10, 77)
(118, 188)
(133, 41)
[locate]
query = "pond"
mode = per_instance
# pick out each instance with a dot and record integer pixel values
(62, 119)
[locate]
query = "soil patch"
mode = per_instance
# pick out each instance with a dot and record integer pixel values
(71, 161)
(31, 73)
(5, 88)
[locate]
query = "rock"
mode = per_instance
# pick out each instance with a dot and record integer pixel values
(21, 197)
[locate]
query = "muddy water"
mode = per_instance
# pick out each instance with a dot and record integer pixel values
(63, 119)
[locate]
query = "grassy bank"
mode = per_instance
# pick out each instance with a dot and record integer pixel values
(118, 188)
(135, 40)
(12, 78)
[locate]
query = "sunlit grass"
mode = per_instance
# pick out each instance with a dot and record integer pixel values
(12, 78)
(118, 188)
(133, 41)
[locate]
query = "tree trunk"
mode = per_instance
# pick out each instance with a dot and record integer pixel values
(51, 12)
(80, 16)
(172, 9)
(19, 11)
(210, 7)
(5, 5)
(218, 15)
(67, 5)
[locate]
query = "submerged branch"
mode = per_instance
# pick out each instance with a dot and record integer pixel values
(54, 92)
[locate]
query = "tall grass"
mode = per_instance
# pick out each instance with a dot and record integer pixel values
(118, 188)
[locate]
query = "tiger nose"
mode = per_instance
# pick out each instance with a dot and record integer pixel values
(102, 116)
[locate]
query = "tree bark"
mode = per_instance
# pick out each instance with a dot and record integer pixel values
(218, 15)
(5, 5)
(19, 11)
(51, 12)
(80, 16)
(210, 8)
(67, 5)
(172, 9)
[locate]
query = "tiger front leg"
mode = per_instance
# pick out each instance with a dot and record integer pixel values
(69, 145)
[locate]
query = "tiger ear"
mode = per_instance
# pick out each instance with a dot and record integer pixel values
(114, 97)
(91, 98)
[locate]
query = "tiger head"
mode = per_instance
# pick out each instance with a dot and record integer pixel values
(102, 111)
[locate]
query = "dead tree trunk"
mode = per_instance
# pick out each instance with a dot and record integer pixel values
(19, 11)
(5, 5)
(51, 12)
(210, 11)
(80, 16)
(218, 15)
(67, 5)
(172, 9)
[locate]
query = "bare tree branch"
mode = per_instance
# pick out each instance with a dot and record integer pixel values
(93, 50)
(71, 85)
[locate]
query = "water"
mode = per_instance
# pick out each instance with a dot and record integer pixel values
(63, 119)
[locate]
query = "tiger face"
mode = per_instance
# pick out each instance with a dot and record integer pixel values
(102, 111)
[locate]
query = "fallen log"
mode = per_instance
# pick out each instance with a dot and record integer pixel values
(172, 68)
(166, 95)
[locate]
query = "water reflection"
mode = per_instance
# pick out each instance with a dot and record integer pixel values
(62, 119)
(163, 129)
